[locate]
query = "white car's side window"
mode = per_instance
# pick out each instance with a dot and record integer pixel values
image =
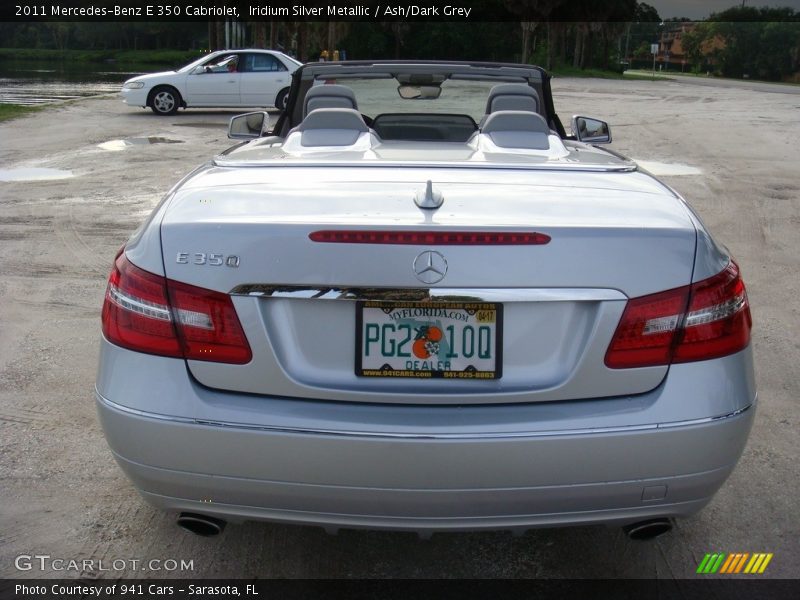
(228, 63)
(263, 62)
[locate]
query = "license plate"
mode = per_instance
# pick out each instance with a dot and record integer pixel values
(449, 340)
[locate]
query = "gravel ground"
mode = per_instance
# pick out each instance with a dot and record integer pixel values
(62, 495)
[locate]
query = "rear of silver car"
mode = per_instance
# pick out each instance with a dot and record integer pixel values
(596, 343)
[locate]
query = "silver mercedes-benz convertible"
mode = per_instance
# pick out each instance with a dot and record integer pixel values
(415, 302)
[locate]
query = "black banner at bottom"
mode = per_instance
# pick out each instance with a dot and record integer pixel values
(299, 589)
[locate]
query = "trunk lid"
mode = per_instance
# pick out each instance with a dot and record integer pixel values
(613, 235)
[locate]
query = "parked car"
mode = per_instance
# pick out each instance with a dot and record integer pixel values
(222, 79)
(418, 303)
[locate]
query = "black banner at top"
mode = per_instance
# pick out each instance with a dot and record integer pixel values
(253, 10)
(334, 10)
(341, 10)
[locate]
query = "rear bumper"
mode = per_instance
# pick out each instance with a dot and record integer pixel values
(440, 484)
(338, 465)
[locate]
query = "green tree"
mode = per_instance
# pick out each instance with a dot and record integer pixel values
(642, 31)
(778, 50)
(693, 42)
(61, 33)
(758, 42)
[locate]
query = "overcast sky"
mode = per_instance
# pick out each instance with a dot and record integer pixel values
(700, 9)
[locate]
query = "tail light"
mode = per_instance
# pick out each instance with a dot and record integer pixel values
(430, 238)
(708, 319)
(152, 314)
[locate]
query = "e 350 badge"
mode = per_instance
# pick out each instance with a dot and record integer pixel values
(211, 259)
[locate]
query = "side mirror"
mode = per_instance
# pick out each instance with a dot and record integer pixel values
(248, 126)
(591, 131)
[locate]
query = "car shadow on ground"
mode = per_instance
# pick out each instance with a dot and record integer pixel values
(269, 550)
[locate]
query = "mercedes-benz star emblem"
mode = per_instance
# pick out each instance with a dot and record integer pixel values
(430, 267)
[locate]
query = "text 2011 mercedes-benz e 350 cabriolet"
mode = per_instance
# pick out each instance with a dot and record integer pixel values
(417, 303)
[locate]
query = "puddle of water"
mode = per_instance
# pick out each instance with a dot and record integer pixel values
(117, 145)
(660, 169)
(34, 174)
(113, 145)
(33, 93)
(152, 140)
(43, 82)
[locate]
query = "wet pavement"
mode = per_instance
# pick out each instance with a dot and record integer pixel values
(117, 145)
(34, 174)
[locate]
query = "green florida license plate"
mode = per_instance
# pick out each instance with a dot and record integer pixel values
(450, 340)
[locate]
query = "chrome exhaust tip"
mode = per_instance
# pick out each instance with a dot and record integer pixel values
(647, 530)
(201, 525)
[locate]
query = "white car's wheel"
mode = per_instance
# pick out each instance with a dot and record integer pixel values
(165, 100)
(281, 99)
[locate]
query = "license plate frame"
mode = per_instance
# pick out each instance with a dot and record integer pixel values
(441, 315)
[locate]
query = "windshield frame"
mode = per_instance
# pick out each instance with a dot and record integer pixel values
(305, 77)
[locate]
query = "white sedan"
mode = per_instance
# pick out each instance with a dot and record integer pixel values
(222, 79)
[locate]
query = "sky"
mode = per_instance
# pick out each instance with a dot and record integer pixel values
(700, 9)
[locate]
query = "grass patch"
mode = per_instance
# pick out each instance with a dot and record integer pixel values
(566, 71)
(721, 78)
(644, 77)
(602, 74)
(12, 111)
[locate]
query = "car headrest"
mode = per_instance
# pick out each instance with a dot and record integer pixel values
(329, 96)
(517, 129)
(331, 127)
(512, 96)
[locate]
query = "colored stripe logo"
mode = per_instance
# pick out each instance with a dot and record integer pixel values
(735, 563)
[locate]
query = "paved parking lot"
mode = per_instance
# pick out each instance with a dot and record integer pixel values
(99, 167)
